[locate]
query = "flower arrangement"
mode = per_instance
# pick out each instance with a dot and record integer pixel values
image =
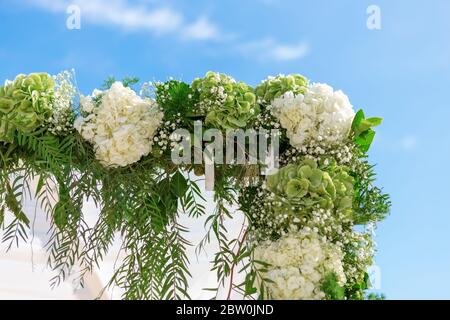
(308, 231)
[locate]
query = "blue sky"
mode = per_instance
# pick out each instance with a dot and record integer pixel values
(401, 73)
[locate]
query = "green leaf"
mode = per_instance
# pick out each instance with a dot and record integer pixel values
(362, 129)
(40, 184)
(159, 221)
(359, 116)
(375, 121)
(361, 125)
(60, 216)
(130, 81)
(14, 205)
(179, 184)
(2, 216)
(249, 281)
(367, 283)
(108, 82)
(365, 139)
(367, 124)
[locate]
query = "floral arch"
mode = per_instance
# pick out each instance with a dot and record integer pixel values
(308, 225)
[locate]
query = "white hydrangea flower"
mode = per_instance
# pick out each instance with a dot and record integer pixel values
(321, 112)
(121, 127)
(86, 103)
(299, 261)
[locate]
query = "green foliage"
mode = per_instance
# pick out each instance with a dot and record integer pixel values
(130, 81)
(355, 291)
(142, 206)
(370, 204)
(192, 201)
(127, 82)
(362, 130)
(47, 150)
(177, 99)
(375, 296)
(331, 288)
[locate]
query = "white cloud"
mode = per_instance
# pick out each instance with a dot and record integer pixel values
(160, 19)
(50, 5)
(269, 49)
(202, 29)
(284, 52)
(120, 13)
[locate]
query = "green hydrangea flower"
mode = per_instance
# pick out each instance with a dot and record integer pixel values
(275, 87)
(306, 185)
(25, 103)
(226, 103)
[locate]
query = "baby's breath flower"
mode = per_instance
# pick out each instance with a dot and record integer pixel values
(60, 123)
